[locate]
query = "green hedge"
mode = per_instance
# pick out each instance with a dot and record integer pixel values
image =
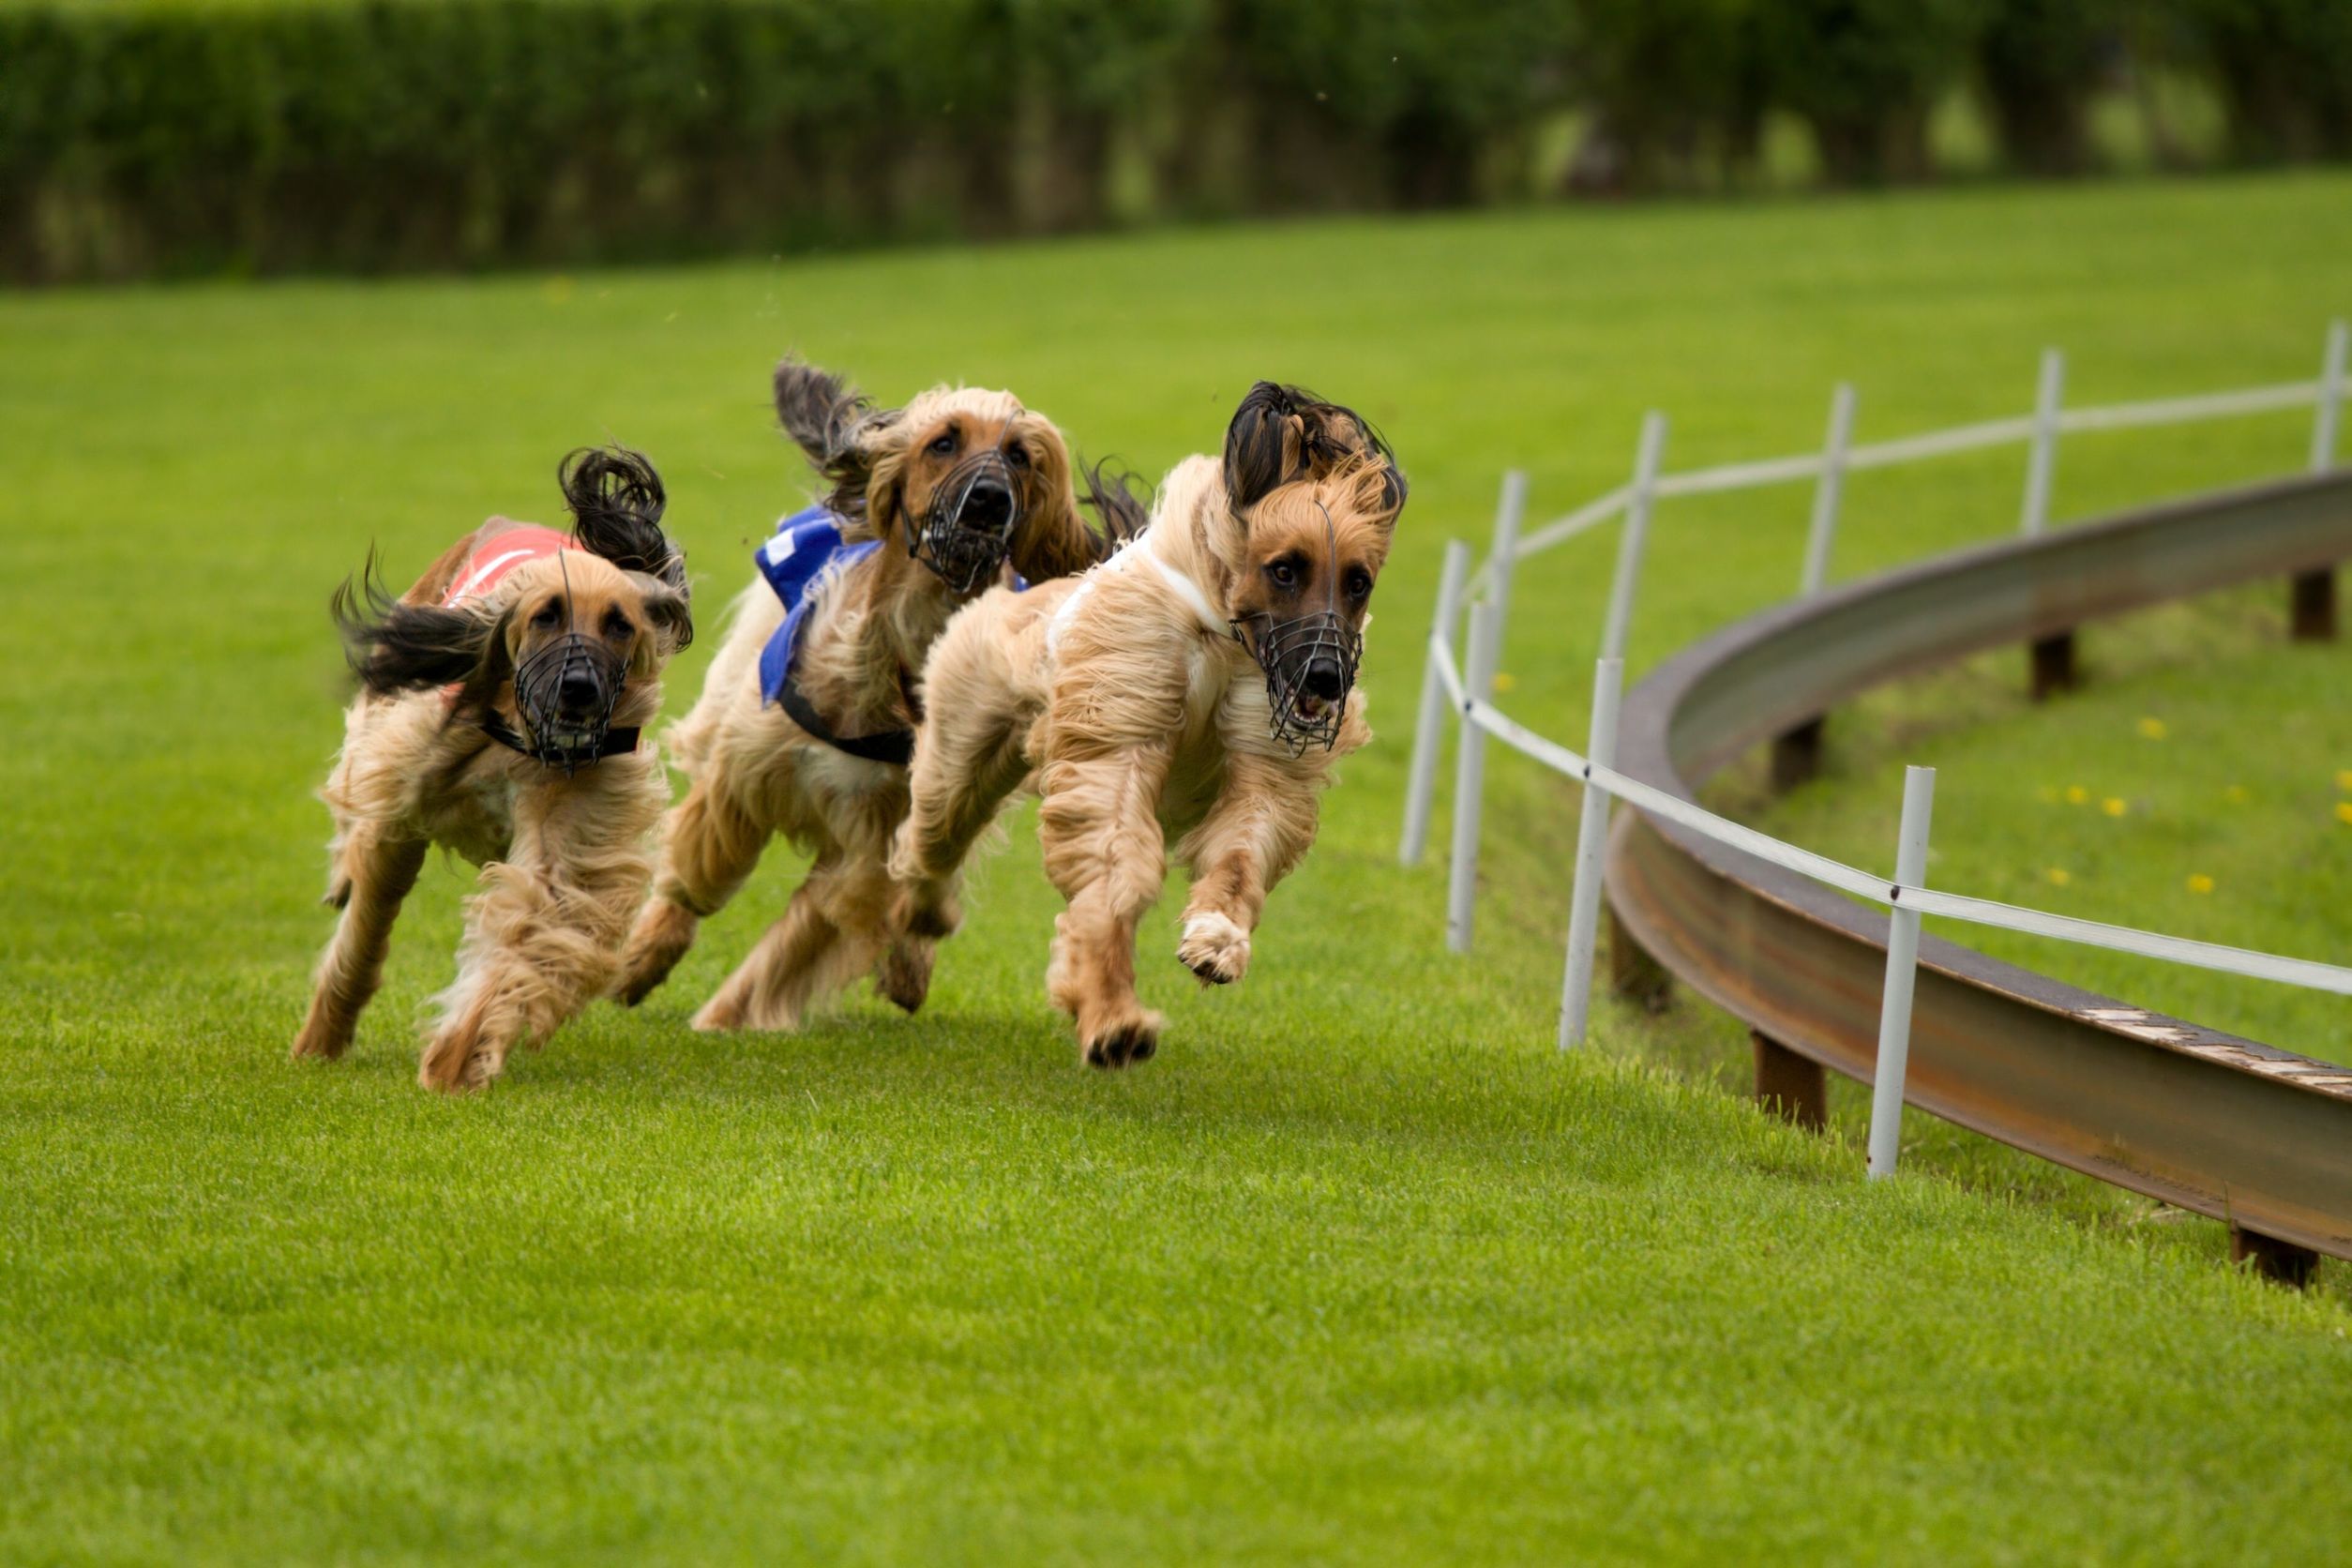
(142, 136)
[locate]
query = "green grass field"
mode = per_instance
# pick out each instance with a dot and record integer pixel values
(1358, 1268)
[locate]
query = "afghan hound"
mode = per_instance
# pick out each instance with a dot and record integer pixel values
(1194, 690)
(498, 715)
(806, 718)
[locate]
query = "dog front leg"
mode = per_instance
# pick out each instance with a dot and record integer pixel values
(709, 847)
(1099, 825)
(543, 934)
(967, 759)
(374, 870)
(1259, 828)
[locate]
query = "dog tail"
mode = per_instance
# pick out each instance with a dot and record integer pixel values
(822, 413)
(1110, 492)
(617, 501)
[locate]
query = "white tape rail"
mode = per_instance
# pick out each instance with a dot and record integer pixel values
(2306, 972)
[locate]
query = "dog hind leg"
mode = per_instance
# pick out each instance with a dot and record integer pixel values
(373, 872)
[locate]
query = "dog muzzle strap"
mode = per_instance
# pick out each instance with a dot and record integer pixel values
(967, 532)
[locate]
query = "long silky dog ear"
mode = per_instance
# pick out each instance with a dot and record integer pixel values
(1109, 490)
(671, 614)
(616, 500)
(395, 647)
(836, 425)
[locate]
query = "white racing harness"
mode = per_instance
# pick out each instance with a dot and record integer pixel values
(1187, 590)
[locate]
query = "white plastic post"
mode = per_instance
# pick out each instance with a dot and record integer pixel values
(1584, 900)
(1421, 783)
(1895, 1006)
(1827, 493)
(1469, 778)
(2035, 515)
(1503, 559)
(1636, 535)
(2323, 425)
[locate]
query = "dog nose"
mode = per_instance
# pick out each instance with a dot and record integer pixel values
(581, 692)
(987, 505)
(1326, 680)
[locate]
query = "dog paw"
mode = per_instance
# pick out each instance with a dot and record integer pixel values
(1123, 1042)
(926, 911)
(319, 1041)
(458, 1060)
(904, 974)
(661, 936)
(1213, 947)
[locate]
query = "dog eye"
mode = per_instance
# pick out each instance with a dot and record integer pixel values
(1285, 575)
(617, 627)
(549, 613)
(944, 442)
(1359, 583)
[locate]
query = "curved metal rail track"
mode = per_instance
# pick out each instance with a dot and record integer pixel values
(2247, 1133)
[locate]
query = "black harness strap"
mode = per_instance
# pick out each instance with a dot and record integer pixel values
(614, 743)
(894, 746)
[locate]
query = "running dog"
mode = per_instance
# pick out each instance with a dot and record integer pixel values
(1195, 690)
(806, 719)
(498, 715)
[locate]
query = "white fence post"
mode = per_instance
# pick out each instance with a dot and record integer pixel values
(1828, 492)
(2323, 426)
(1503, 559)
(1584, 901)
(1469, 778)
(1421, 783)
(1630, 543)
(2039, 467)
(1895, 1006)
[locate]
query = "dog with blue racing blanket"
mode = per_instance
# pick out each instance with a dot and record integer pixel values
(807, 720)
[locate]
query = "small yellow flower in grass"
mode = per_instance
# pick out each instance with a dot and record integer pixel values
(2153, 728)
(2344, 781)
(2344, 812)
(1503, 680)
(2200, 882)
(2076, 795)
(2058, 875)
(2113, 806)
(2238, 794)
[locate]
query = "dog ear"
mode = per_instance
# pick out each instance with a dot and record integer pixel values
(1376, 493)
(395, 647)
(837, 427)
(671, 615)
(616, 500)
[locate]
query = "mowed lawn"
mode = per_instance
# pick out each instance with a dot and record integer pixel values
(1358, 1268)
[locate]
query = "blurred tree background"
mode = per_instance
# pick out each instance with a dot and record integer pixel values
(141, 137)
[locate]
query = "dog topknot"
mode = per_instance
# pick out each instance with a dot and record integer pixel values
(1281, 433)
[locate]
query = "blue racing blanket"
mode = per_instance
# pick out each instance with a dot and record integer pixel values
(807, 545)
